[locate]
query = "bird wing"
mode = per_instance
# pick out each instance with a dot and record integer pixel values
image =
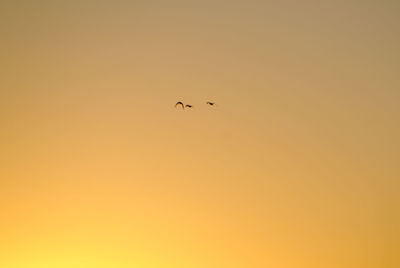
(179, 103)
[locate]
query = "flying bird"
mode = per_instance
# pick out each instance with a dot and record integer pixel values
(189, 106)
(210, 103)
(181, 104)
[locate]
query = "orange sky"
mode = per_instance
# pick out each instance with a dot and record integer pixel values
(297, 166)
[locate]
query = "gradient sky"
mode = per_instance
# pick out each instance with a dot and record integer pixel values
(298, 166)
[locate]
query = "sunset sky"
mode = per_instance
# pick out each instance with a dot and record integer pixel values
(297, 166)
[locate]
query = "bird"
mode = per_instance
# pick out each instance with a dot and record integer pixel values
(210, 103)
(180, 103)
(189, 106)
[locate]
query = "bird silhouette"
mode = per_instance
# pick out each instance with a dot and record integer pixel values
(181, 104)
(189, 106)
(210, 103)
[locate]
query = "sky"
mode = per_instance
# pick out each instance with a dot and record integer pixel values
(296, 166)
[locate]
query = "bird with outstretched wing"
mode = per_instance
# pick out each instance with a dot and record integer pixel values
(179, 103)
(210, 103)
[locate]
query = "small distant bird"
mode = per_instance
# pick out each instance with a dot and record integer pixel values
(181, 104)
(189, 106)
(210, 103)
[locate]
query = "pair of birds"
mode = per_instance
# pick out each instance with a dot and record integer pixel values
(179, 103)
